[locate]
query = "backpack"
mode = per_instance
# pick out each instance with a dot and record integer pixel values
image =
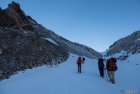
(115, 67)
(114, 59)
(112, 64)
(79, 60)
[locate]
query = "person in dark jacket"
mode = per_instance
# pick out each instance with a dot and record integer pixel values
(83, 60)
(101, 67)
(79, 63)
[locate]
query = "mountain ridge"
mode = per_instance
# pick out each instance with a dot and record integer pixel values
(127, 45)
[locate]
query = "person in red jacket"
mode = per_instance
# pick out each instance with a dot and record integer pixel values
(111, 68)
(79, 63)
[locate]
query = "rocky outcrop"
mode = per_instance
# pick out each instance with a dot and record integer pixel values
(15, 18)
(5, 20)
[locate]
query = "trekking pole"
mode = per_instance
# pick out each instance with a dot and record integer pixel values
(83, 68)
(76, 68)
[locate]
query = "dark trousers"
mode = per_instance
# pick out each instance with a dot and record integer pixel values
(101, 70)
(79, 68)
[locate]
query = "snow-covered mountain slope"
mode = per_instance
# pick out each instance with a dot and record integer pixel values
(130, 44)
(64, 79)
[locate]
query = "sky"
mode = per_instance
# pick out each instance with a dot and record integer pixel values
(95, 23)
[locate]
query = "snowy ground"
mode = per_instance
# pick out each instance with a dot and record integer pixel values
(64, 79)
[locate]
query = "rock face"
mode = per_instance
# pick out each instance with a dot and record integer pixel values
(26, 44)
(129, 44)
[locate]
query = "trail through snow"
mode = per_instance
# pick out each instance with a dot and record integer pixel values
(64, 79)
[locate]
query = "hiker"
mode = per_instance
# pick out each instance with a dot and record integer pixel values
(79, 63)
(101, 67)
(83, 60)
(111, 68)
